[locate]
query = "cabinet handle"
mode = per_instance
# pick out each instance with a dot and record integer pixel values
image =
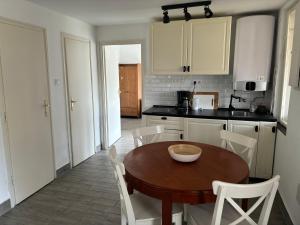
(184, 68)
(188, 68)
(181, 136)
(273, 129)
(224, 126)
(256, 128)
(299, 78)
(163, 118)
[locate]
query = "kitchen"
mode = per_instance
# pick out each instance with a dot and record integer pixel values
(229, 81)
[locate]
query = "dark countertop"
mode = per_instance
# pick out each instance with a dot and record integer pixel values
(223, 114)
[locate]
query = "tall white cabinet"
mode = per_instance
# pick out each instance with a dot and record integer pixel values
(200, 46)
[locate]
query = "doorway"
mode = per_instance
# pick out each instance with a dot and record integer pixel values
(78, 72)
(122, 84)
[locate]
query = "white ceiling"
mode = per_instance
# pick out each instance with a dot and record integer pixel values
(106, 12)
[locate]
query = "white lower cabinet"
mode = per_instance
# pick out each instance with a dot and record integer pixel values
(266, 146)
(204, 130)
(173, 127)
(264, 133)
(247, 128)
(208, 131)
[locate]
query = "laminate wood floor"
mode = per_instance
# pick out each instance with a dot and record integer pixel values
(88, 195)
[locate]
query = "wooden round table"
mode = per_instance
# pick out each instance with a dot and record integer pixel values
(151, 170)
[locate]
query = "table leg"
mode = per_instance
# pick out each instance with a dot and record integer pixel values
(166, 211)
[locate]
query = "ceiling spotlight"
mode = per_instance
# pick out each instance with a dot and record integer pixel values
(166, 18)
(207, 12)
(187, 15)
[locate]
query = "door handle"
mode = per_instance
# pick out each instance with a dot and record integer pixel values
(72, 104)
(46, 106)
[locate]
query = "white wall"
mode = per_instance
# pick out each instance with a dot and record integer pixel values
(130, 54)
(4, 193)
(287, 152)
(287, 159)
(54, 23)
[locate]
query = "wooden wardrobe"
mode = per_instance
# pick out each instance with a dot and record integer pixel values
(130, 89)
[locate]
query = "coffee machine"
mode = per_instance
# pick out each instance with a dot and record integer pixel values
(183, 99)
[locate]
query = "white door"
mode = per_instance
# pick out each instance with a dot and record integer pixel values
(168, 47)
(249, 129)
(204, 130)
(112, 98)
(25, 82)
(209, 45)
(79, 78)
(266, 148)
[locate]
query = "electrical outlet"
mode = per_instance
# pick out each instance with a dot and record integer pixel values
(298, 194)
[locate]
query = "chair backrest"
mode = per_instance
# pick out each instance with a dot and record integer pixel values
(114, 159)
(265, 192)
(126, 205)
(228, 138)
(146, 135)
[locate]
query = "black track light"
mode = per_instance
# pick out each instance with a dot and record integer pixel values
(207, 12)
(187, 15)
(166, 18)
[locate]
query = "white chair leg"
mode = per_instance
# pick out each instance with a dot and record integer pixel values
(123, 219)
(185, 212)
(178, 220)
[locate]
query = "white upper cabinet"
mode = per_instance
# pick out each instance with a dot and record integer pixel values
(200, 47)
(168, 47)
(295, 49)
(209, 45)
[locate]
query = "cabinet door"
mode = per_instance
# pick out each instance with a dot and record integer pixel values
(203, 130)
(249, 129)
(209, 45)
(168, 47)
(173, 127)
(265, 153)
(295, 49)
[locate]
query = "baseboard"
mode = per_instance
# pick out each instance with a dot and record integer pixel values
(62, 170)
(5, 207)
(98, 148)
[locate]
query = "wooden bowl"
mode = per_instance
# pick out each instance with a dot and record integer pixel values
(184, 152)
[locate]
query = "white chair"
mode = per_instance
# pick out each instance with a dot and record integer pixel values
(139, 209)
(229, 212)
(114, 159)
(147, 135)
(249, 143)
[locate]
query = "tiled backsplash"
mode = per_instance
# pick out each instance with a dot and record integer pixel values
(161, 90)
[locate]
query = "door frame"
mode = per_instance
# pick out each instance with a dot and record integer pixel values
(66, 89)
(102, 82)
(7, 152)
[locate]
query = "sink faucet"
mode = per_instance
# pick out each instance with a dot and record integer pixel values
(235, 97)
